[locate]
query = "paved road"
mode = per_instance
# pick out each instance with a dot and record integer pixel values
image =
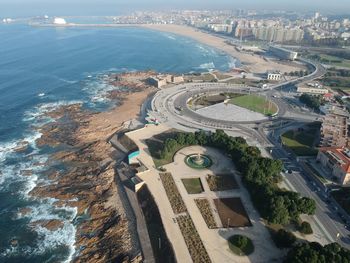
(326, 215)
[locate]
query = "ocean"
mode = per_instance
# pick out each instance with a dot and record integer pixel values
(42, 68)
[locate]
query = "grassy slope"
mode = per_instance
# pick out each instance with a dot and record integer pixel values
(299, 142)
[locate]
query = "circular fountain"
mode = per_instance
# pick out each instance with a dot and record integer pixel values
(198, 161)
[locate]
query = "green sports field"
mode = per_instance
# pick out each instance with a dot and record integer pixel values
(255, 103)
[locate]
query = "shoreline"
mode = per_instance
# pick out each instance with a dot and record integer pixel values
(88, 183)
(250, 62)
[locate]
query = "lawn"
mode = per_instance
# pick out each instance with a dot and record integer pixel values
(221, 182)
(300, 142)
(255, 103)
(193, 185)
(241, 245)
(335, 61)
(232, 212)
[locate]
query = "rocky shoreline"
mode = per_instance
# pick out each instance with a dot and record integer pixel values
(87, 180)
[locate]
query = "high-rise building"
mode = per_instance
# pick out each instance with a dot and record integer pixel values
(278, 34)
(334, 129)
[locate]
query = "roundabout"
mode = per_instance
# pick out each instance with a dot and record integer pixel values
(173, 104)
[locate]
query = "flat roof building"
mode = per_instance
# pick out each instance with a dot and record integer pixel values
(312, 88)
(334, 129)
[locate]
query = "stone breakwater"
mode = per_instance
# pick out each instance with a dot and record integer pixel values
(85, 179)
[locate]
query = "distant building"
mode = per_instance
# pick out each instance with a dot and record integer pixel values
(177, 79)
(162, 80)
(222, 28)
(338, 161)
(59, 21)
(157, 82)
(278, 34)
(334, 129)
(312, 88)
(243, 32)
(274, 76)
(283, 53)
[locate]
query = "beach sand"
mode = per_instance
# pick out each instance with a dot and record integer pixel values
(251, 62)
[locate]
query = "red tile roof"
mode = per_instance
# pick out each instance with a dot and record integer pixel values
(339, 152)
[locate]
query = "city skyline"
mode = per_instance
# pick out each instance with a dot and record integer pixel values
(110, 7)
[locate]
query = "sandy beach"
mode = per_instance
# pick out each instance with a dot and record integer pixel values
(252, 63)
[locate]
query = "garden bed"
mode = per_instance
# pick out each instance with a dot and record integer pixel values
(205, 209)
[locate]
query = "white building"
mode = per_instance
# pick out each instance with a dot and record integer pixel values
(274, 76)
(59, 21)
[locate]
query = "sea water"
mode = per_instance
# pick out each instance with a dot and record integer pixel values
(42, 68)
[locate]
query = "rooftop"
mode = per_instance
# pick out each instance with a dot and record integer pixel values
(339, 156)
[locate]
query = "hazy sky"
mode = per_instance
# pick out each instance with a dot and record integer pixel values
(112, 7)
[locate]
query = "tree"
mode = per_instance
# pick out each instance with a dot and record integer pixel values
(191, 139)
(305, 228)
(181, 138)
(307, 206)
(284, 238)
(201, 138)
(278, 212)
(241, 241)
(170, 145)
(315, 253)
(311, 101)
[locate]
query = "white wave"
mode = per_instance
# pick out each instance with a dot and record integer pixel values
(67, 80)
(37, 115)
(169, 36)
(13, 174)
(9, 148)
(208, 66)
(98, 90)
(6, 149)
(47, 241)
(232, 63)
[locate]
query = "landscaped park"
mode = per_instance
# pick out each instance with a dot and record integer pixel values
(195, 190)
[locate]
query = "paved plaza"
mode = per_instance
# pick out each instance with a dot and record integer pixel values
(230, 112)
